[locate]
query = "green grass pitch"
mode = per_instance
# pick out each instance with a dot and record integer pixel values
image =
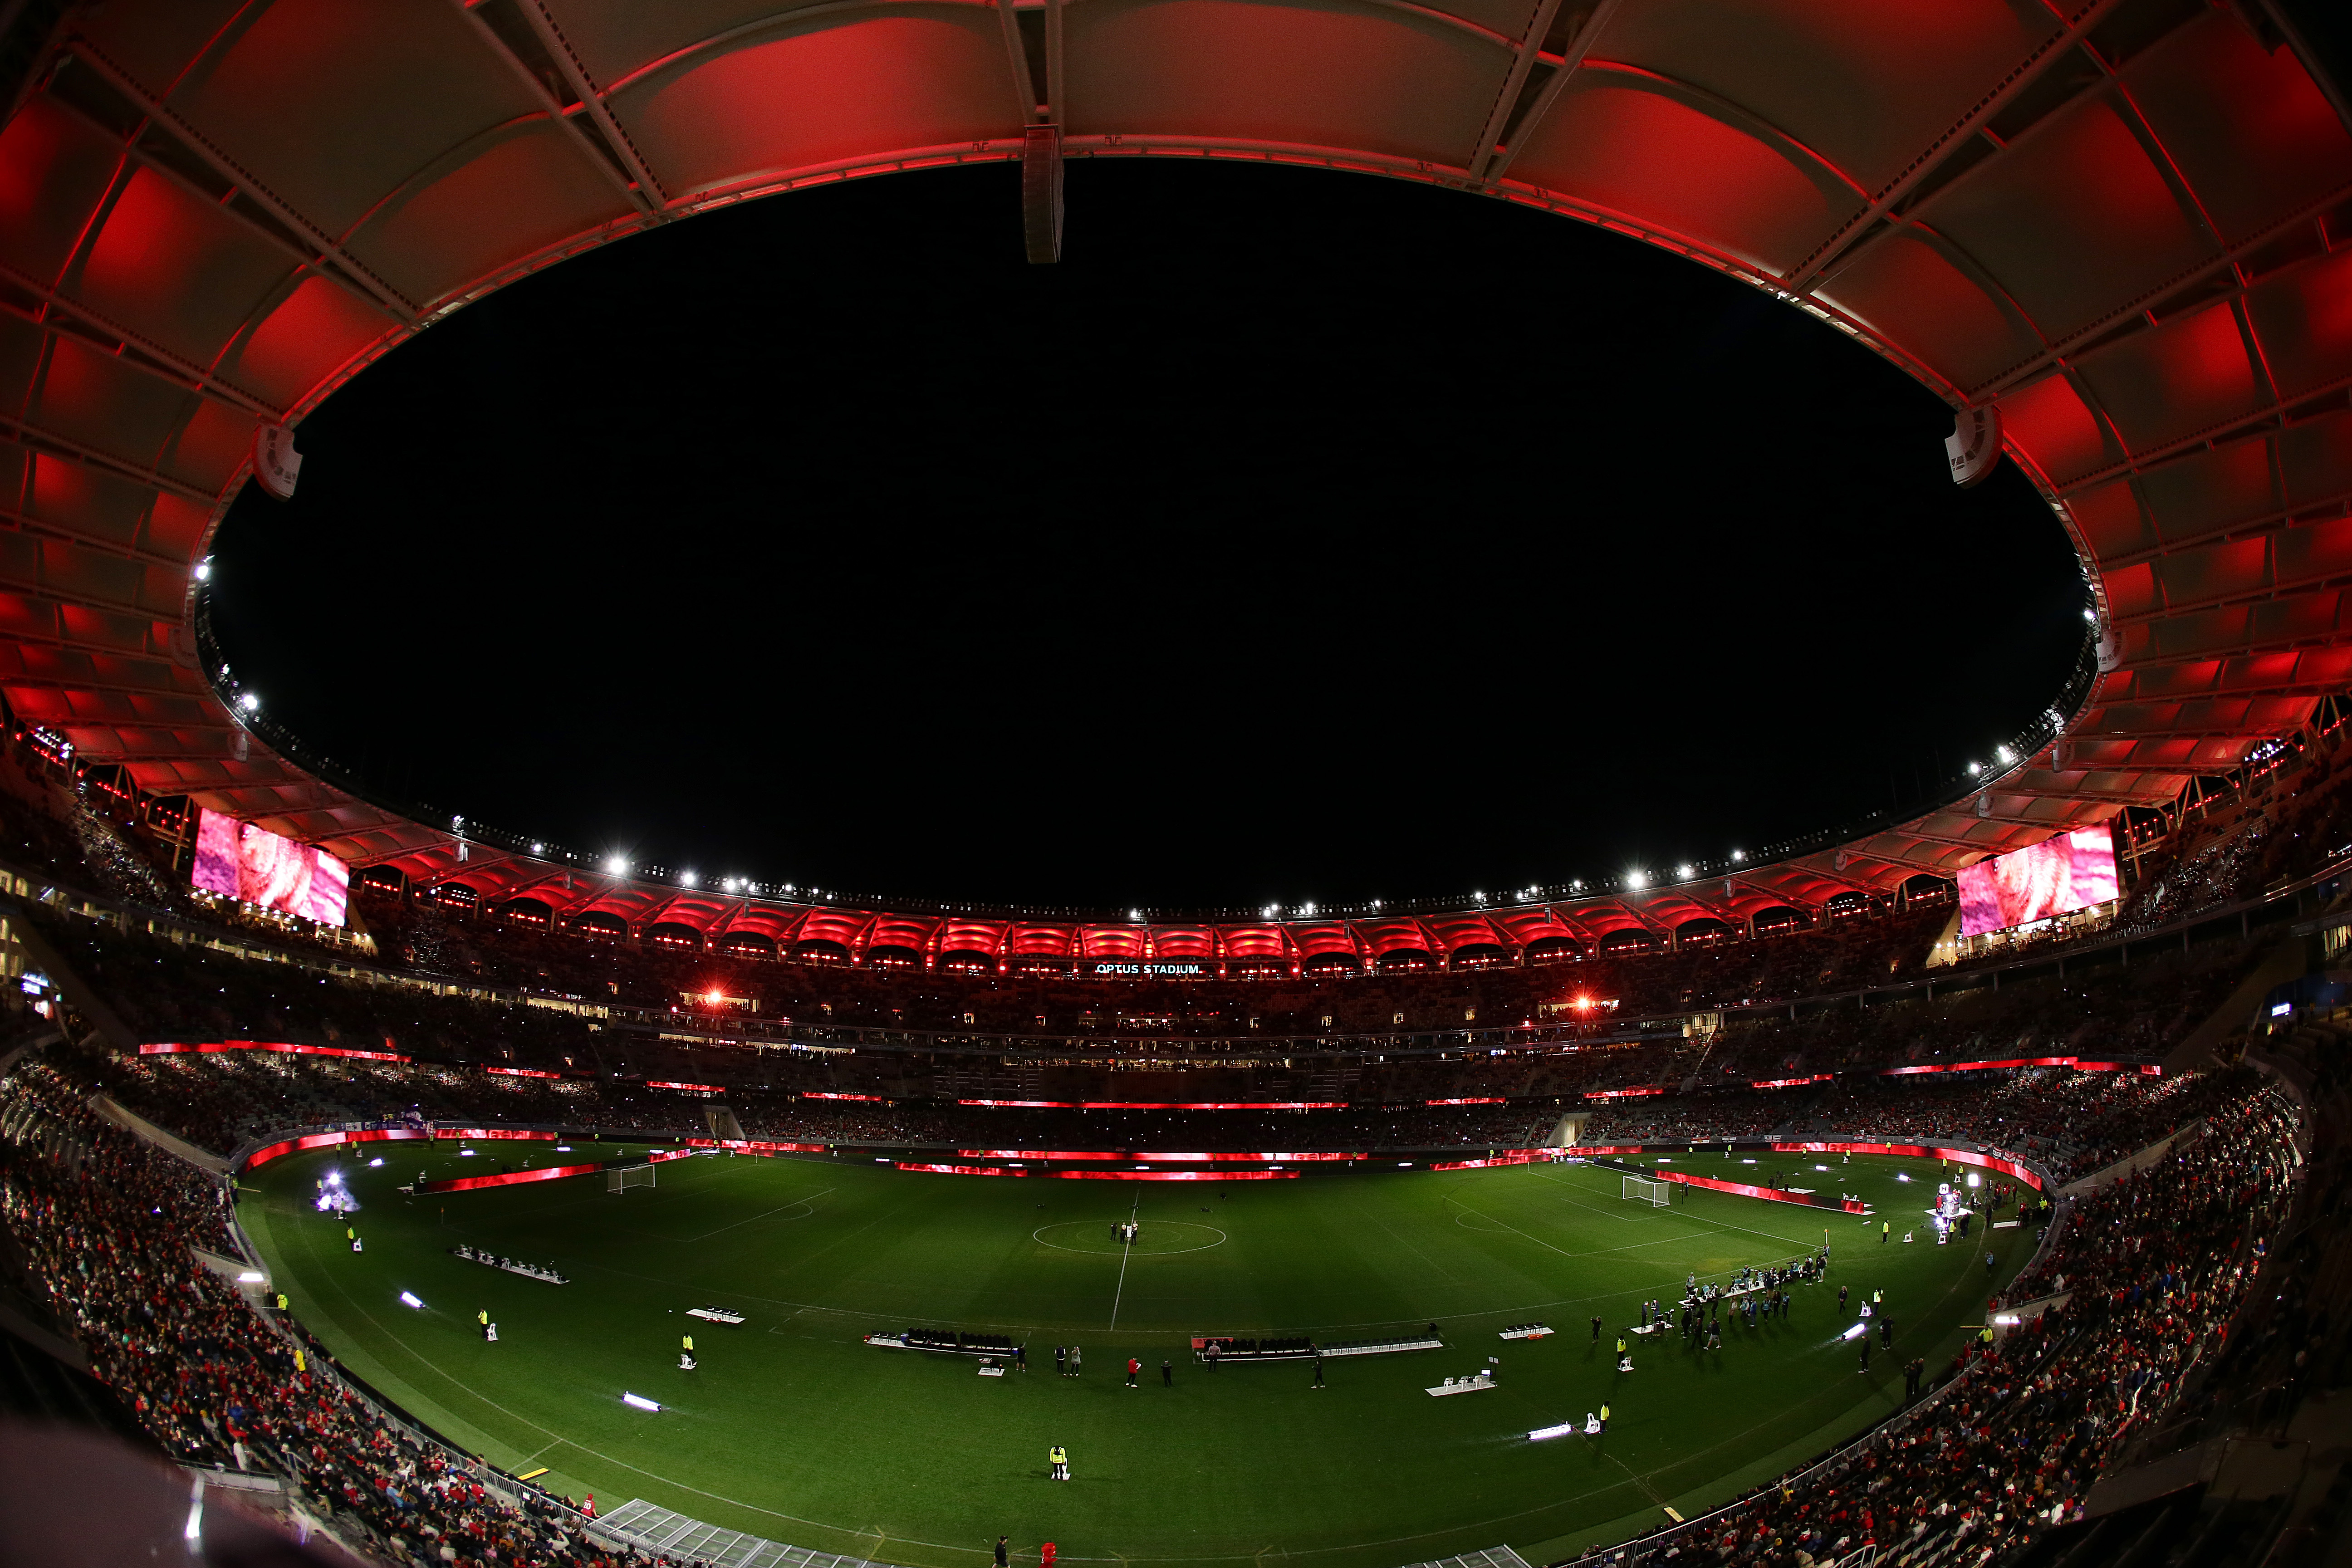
(795, 1430)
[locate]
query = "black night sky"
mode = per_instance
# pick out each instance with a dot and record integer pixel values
(1298, 536)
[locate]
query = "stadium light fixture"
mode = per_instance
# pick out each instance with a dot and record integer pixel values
(1737, 855)
(686, 879)
(1973, 770)
(1684, 871)
(1636, 880)
(204, 574)
(618, 865)
(1135, 914)
(2090, 612)
(2004, 753)
(408, 1301)
(640, 1401)
(1308, 910)
(249, 702)
(536, 848)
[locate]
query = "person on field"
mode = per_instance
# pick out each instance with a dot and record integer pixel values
(1318, 1370)
(1596, 1328)
(1002, 1556)
(1210, 1354)
(1059, 1457)
(1062, 1361)
(686, 1362)
(1021, 1358)
(1167, 1373)
(1885, 1229)
(1133, 1366)
(1075, 1355)
(1605, 1418)
(1840, 1299)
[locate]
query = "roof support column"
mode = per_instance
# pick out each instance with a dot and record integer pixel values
(1041, 192)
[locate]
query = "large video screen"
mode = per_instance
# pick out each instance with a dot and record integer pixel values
(254, 866)
(2072, 872)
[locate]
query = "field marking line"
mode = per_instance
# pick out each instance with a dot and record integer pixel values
(1127, 1250)
(1408, 1246)
(808, 1202)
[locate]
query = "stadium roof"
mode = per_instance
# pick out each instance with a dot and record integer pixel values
(2126, 226)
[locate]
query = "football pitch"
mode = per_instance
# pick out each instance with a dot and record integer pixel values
(794, 1428)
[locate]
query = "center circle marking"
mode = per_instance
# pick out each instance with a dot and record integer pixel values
(1105, 1248)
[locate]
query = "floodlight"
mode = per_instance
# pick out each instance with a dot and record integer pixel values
(536, 848)
(464, 1153)
(1738, 855)
(1975, 1180)
(2090, 612)
(249, 702)
(1972, 768)
(1636, 880)
(1902, 1176)
(204, 574)
(618, 865)
(1135, 914)
(1308, 910)
(1565, 1429)
(408, 1301)
(640, 1401)
(2004, 753)
(1683, 871)
(686, 878)
(1856, 1331)
(374, 1163)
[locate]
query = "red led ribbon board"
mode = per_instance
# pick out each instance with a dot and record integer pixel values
(1790, 1082)
(285, 1048)
(1471, 1099)
(690, 1088)
(492, 1134)
(1158, 1104)
(1919, 1152)
(328, 1141)
(522, 1072)
(2147, 1069)
(1103, 1176)
(755, 1146)
(1771, 1194)
(1620, 1093)
(506, 1178)
(1508, 1157)
(1201, 1157)
(874, 1099)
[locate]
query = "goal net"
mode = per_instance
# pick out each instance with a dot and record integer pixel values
(628, 1177)
(1645, 1190)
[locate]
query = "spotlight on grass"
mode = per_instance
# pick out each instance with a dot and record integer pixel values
(1566, 1429)
(640, 1401)
(1856, 1331)
(408, 1301)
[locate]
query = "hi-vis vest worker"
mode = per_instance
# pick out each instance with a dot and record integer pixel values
(688, 1339)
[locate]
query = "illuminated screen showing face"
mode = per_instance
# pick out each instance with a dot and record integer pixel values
(254, 866)
(2073, 871)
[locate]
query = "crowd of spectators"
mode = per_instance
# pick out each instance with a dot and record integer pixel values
(105, 1235)
(2157, 1264)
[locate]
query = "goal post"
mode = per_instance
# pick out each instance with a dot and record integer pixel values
(1645, 1190)
(621, 1179)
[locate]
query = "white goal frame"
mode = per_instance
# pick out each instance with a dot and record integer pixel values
(1645, 1190)
(622, 1178)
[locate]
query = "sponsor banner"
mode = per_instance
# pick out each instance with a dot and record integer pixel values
(329, 1140)
(169, 1049)
(522, 1072)
(1103, 1176)
(1471, 1099)
(1749, 1190)
(1157, 1104)
(1792, 1082)
(1193, 1159)
(874, 1098)
(1919, 1152)
(2147, 1069)
(755, 1146)
(491, 1134)
(506, 1178)
(1505, 1157)
(690, 1088)
(1620, 1093)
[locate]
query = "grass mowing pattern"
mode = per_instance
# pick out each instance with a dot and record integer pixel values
(794, 1430)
